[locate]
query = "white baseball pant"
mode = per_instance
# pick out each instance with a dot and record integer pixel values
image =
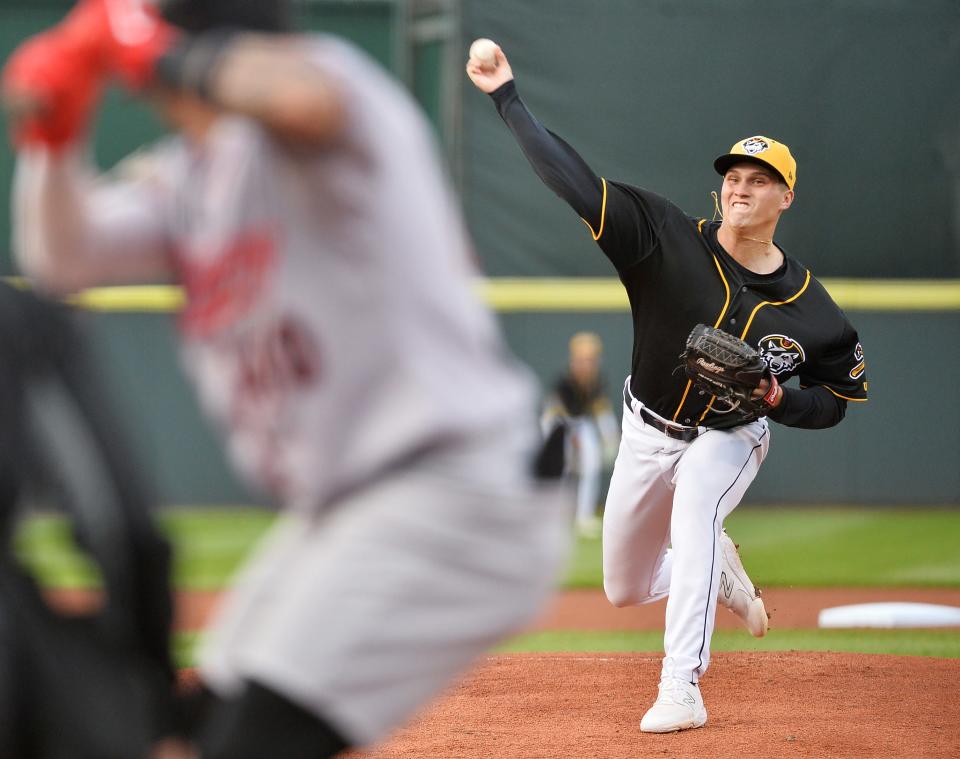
(665, 508)
(585, 439)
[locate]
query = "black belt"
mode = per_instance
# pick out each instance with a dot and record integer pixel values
(686, 434)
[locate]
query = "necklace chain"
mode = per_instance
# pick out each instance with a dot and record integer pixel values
(717, 212)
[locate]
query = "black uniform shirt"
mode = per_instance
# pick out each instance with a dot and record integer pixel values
(677, 275)
(581, 400)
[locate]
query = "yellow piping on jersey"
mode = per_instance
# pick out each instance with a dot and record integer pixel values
(723, 312)
(750, 321)
(707, 409)
(845, 397)
(806, 282)
(603, 213)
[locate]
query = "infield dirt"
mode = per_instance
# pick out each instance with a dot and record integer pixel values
(761, 705)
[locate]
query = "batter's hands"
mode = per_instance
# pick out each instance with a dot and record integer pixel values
(487, 78)
(52, 82)
(50, 88)
(127, 37)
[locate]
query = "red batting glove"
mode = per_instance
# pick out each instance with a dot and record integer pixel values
(50, 88)
(125, 37)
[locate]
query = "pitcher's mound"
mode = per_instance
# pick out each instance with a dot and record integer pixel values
(760, 706)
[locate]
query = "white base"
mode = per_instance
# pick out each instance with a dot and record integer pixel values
(890, 615)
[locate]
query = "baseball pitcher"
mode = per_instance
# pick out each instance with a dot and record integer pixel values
(721, 294)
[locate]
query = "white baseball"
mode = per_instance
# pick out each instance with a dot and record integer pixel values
(484, 51)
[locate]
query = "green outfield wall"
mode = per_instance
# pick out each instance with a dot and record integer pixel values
(902, 447)
(649, 91)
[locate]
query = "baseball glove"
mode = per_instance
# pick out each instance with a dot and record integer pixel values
(727, 367)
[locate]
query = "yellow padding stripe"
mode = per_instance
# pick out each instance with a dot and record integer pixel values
(143, 298)
(511, 294)
(895, 294)
(547, 294)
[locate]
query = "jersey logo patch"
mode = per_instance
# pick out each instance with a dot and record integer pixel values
(861, 364)
(755, 145)
(781, 354)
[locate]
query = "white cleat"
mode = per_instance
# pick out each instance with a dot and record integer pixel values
(679, 706)
(737, 593)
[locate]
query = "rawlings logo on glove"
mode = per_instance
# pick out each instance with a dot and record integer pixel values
(727, 367)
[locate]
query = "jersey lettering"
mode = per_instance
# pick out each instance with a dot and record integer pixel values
(222, 290)
(277, 359)
(276, 364)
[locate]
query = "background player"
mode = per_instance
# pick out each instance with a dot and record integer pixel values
(63, 448)
(332, 331)
(683, 465)
(578, 400)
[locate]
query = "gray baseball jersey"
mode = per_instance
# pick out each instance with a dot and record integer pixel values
(333, 331)
(324, 289)
(328, 292)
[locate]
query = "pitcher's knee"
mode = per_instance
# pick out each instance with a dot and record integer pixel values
(621, 594)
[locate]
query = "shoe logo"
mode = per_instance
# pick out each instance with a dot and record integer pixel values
(726, 586)
(688, 699)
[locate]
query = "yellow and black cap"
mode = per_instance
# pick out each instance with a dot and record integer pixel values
(764, 151)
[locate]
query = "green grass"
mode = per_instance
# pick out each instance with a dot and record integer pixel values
(829, 547)
(939, 643)
(209, 545)
(850, 546)
(782, 546)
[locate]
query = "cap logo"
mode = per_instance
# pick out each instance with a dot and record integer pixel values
(755, 145)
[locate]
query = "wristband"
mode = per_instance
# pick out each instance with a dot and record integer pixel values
(191, 62)
(773, 395)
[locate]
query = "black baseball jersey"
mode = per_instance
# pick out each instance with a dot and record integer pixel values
(677, 275)
(581, 400)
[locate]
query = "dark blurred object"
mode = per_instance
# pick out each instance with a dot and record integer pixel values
(96, 686)
(202, 15)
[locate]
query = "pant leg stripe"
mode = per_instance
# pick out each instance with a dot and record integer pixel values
(716, 512)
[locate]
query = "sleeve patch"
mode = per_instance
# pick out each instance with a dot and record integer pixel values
(861, 365)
